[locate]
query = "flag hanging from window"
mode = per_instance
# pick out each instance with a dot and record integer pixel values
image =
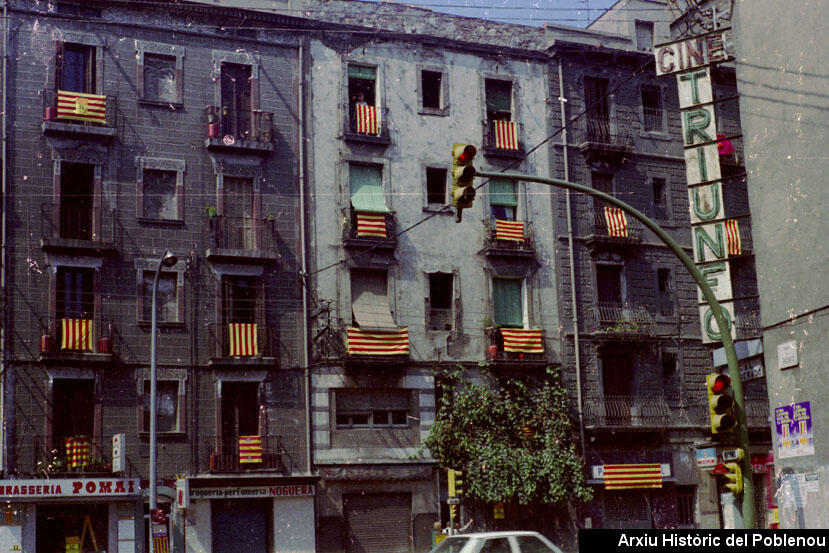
(243, 339)
(522, 340)
(367, 122)
(617, 222)
(724, 146)
(505, 136)
(626, 477)
(76, 334)
(509, 230)
(250, 449)
(77, 451)
(371, 224)
(82, 107)
(161, 541)
(360, 342)
(732, 237)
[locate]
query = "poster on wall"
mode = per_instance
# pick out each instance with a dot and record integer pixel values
(793, 425)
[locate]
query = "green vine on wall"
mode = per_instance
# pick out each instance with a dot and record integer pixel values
(514, 441)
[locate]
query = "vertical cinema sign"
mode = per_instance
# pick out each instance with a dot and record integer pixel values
(714, 236)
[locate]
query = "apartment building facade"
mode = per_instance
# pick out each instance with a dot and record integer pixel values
(134, 129)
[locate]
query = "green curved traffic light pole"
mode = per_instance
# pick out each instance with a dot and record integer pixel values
(747, 499)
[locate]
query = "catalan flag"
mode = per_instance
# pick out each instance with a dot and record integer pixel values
(76, 334)
(506, 137)
(242, 339)
(81, 106)
(378, 343)
(161, 541)
(521, 340)
(617, 223)
(250, 449)
(371, 224)
(625, 477)
(367, 122)
(509, 230)
(77, 451)
(732, 237)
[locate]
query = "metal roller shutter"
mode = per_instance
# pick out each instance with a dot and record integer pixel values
(378, 523)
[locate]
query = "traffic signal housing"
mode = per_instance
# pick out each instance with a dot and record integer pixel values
(720, 403)
(455, 483)
(463, 192)
(734, 478)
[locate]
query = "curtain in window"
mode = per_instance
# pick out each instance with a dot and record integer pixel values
(506, 298)
(366, 189)
(361, 72)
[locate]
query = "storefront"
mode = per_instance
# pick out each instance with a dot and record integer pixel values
(63, 515)
(254, 514)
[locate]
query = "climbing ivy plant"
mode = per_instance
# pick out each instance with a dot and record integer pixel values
(512, 439)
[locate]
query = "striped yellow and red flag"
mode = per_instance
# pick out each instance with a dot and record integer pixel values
(367, 122)
(360, 342)
(617, 222)
(371, 224)
(161, 540)
(732, 237)
(250, 449)
(522, 340)
(243, 341)
(81, 106)
(509, 230)
(76, 334)
(625, 477)
(506, 137)
(77, 451)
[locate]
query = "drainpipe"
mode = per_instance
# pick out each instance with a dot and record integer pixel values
(3, 366)
(303, 270)
(571, 254)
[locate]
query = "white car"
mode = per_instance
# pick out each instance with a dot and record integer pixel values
(496, 542)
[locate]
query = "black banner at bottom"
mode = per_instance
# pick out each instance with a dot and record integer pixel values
(756, 541)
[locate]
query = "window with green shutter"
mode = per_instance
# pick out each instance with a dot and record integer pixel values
(502, 199)
(366, 188)
(507, 302)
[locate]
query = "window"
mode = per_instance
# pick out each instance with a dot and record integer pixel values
(644, 36)
(609, 284)
(160, 78)
(498, 100)
(668, 366)
(596, 102)
(502, 199)
(432, 88)
(685, 505)
(531, 544)
(372, 408)
(366, 184)
(652, 109)
(496, 545)
(239, 295)
(508, 302)
(369, 300)
(158, 198)
(603, 182)
(76, 68)
(236, 99)
(617, 376)
(665, 292)
(362, 90)
(166, 298)
(436, 186)
(237, 217)
(75, 293)
(169, 398)
(440, 301)
(76, 186)
(73, 410)
(661, 208)
(240, 410)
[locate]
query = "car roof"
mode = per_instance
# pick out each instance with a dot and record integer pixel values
(502, 534)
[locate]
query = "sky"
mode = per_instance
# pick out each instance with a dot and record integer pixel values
(573, 13)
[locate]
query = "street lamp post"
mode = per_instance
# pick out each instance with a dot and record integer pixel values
(167, 260)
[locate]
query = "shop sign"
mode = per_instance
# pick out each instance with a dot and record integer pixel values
(285, 490)
(759, 463)
(707, 457)
(22, 490)
(691, 53)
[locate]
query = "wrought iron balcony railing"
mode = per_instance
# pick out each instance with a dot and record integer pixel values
(243, 341)
(249, 453)
(508, 238)
(79, 113)
(606, 133)
(620, 319)
(627, 411)
(612, 226)
(239, 129)
(241, 233)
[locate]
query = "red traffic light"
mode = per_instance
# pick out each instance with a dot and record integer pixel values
(720, 384)
(467, 155)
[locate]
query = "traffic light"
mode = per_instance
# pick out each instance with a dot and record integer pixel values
(720, 403)
(463, 193)
(734, 478)
(455, 486)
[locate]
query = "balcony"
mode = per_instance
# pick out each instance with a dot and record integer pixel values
(745, 244)
(69, 226)
(757, 412)
(509, 238)
(373, 348)
(73, 457)
(747, 318)
(79, 115)
(645, 412)
(367, 125)
(610, 226)
(515, 345)
(79, 339)
(246, 454)
(243, 345)
(376, 231)
(241, 239)
(619, 321)
(248, 132)
(605, 139)
(501, 139)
